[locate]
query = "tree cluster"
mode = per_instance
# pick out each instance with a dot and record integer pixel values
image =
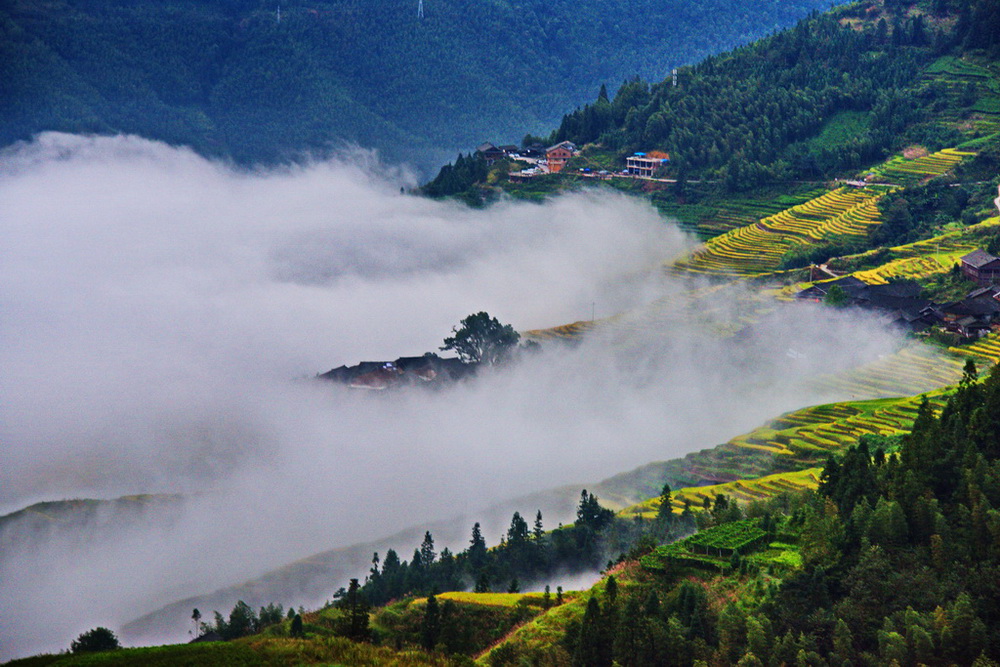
(526, 554)
(243, 620)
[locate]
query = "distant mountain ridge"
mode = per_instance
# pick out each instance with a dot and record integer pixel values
(229, 79)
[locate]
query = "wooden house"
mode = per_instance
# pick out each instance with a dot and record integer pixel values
(558, 155)
(981, 267)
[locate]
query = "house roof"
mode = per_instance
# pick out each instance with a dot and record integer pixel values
(991, 291)
(486, 146)
(979, 306)
(853, 286)
(904, 303)
(978, 258)
(901, 288)
(568, 145)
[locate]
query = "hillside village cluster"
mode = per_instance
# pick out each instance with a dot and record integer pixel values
(553, 159)
(972, 317)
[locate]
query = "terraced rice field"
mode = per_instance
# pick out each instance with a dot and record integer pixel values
(921, 259)
(985, 352)
(798, 440)
(914, 369)
(715, 218)
(952, 78)
(909, 268)
(695, 304)
(901, 171)
(562, 332)
(742, 490)
(491, 599)
(758, 248)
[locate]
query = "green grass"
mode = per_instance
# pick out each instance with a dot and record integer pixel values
(987, 105)
(208, 653)
(779, 554)
(840, 129)
(490, 599)
(957, 67)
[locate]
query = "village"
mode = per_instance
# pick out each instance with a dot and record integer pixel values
(553, 159)
(900, 302)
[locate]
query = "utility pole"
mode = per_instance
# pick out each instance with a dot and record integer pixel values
(279, 13)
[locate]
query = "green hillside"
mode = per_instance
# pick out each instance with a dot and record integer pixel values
(225, 77)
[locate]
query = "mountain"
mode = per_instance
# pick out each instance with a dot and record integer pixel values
(230, 79)
(859, 532)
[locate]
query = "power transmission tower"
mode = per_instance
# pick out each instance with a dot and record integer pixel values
(420, 9)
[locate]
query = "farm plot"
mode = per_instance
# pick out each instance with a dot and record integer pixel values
(901, 171)
(985, 352)
(758, 248)
(745, 490)
(716, 217)
(913, 369)
(561, 332)
(960, 79)
(798, 440)
(708, 549)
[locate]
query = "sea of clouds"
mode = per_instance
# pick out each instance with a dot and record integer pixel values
(163, 316)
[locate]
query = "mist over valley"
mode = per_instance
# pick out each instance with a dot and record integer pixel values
(165, 315)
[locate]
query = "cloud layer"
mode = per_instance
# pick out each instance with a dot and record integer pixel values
(163, 313)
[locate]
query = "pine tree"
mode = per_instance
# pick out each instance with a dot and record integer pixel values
(427, 554)
(430, 627)
(357, 613)
(477, 550)
(591, 649)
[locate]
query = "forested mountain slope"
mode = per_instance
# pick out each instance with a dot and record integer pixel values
(228, 78)
(834, 93)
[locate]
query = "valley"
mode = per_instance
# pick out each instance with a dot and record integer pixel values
(800, 385)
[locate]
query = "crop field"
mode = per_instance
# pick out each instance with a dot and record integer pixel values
(910, 268)
(985, 352)
(798, 440)
(744, 490)
(545, 629)
(913, 369)
(697, 303)
(247, 652)
(494, 599)
(960, 79)
(710, 548)
(901, 171)
(758, 248)
(957, 67)
(561, 332)
(718, 216)
(921, 259)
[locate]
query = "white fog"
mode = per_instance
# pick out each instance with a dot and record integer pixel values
(163, 316)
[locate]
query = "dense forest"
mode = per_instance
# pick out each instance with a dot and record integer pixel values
(228, 78)
(901, 564)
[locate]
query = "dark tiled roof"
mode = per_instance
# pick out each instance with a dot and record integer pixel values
(980, 306)
(568, 145)
(978, 258)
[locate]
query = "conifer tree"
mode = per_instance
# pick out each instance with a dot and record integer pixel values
(430, 627)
